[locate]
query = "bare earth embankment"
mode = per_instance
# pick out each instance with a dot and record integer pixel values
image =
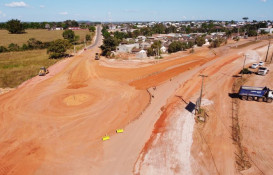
(54, 125)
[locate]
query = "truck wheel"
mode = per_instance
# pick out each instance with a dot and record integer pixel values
(249, 98)
(244, 97)
(260, 99)
(269, 100)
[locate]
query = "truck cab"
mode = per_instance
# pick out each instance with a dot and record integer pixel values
(270, 94)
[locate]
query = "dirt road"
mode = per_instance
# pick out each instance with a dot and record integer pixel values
(54, 124)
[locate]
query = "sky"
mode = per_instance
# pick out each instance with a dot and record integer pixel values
(135, 10)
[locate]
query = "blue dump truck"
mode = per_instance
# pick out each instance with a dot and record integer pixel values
(260, 94)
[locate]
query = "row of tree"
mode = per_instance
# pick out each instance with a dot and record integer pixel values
(15, 26)
(56, 48)
(31, 44)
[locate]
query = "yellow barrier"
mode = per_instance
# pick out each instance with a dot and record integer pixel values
(119, 130)
(105, 138)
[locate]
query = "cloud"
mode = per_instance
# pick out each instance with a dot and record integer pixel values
(131, 11)
(184, 17)
(16, 4)
(63, 13)
(42, 6)
(263, 0)
(2, 14)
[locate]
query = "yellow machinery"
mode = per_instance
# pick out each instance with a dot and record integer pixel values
(43, 71)
(106, 137)
(119, 131)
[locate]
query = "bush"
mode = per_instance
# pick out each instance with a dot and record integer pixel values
(217, 43)
(245, 71)
(3, 49)
(58, 48)
(13, 47)
(200, 41)
(24, 47)
(35, 44)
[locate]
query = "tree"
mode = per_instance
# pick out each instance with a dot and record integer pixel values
(200, 41)
(58, 48)
(15, 26)
(69, 35)
(154, 49)
(92, 28)
(175, 47)
(109, 44)
(87, 37)
(245, 19)
(252, 33)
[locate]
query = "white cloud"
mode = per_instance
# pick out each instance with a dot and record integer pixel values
(2, 14)
(63, 13)
(184, 17)
(263, 0)
(16, 4)
(42, 6)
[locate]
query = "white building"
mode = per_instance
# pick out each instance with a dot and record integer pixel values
(269, 30)
(127, 48)
(141, 54)
(163, 49)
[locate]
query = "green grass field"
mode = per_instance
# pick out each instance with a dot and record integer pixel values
(39, 34)
(17, 67)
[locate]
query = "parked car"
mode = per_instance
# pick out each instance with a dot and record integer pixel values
(254, 65)
(261, 63)
(262, 71)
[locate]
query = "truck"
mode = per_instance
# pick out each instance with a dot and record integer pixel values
(260, 94)
(97, 56)
(262, 71)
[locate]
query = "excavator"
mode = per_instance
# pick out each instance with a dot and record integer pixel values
(43, 71)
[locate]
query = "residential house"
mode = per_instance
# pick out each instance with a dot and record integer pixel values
(127, 48)
(75, 28)
(57, 28)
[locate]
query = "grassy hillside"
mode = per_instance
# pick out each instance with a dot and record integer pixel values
(39, 34)
(17, 67)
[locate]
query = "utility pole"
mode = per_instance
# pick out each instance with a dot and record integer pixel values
(267, 51)
(201, 93)
(244, 65)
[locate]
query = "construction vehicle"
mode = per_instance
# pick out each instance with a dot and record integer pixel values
(43, 71)
(97, 56)
(260, 94)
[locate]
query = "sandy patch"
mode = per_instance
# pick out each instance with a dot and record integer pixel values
(75, 100)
